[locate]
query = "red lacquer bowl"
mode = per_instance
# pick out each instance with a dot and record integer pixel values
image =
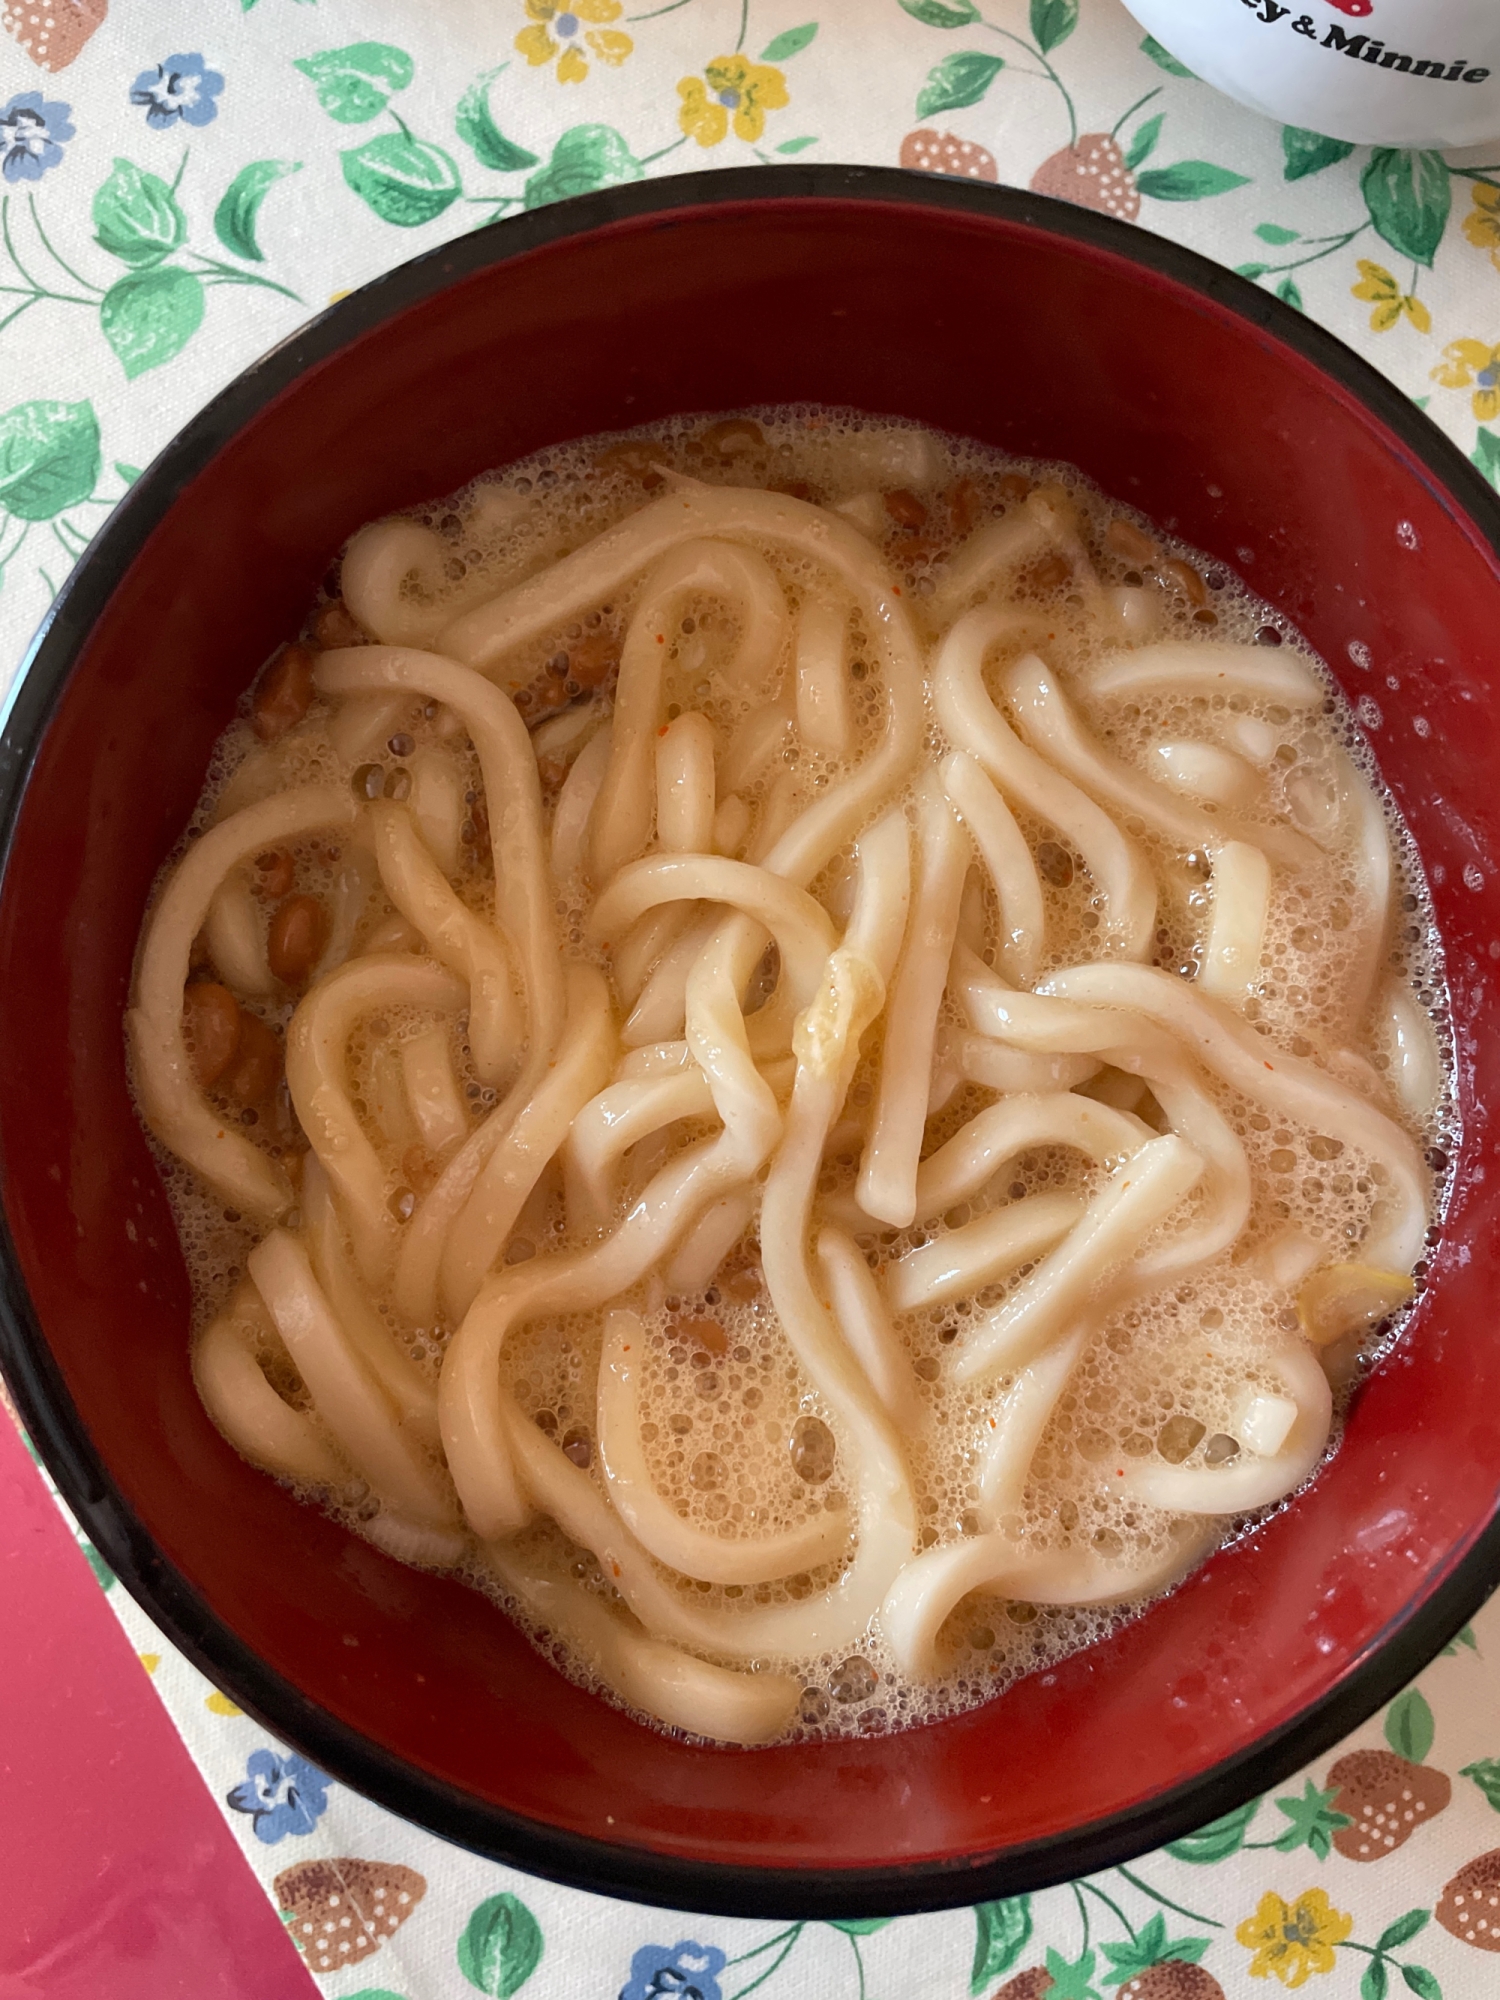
(1039, 328)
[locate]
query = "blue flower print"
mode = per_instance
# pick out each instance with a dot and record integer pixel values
(181, 87)
(32, 136)
(285, 1795)
(683, 1971)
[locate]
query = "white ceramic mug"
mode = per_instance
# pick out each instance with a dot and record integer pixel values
(1384, 72)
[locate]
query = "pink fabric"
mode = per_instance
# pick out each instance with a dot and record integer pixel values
(118, 1878)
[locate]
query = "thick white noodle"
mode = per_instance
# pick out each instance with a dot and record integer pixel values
(1119, 870)
(412, 1395)
(437, 804)
(980, 1059)
(661, 1006)
(1415, 1067)
(350, 894)
(799, 924)
(347, 1398)
(1204, 669)
(888, 1168)
(317, 1044)
(1360, 808)
(861, 1313)
(994, 1136)
(655, 1522)
(454, 935)
(654, 1679)
(170, 1100)
(697, 1258)
(623, 811)
(612, 1122)
(929, 1589)
(1015, 1426)
(1249, 1482)
(524, 894)
(235, 934)
(1013, 874)
(1207, 771)
(758, 740)
(377, 564)
(1137, 1197)
(1048, 720)
(975, 1254)
(582, 1068)
(685, 802)
(575, 805)
(593, 573)
(432, 1091)
(1236, 939)
(263, 1428)
(824, 721)
(997, 550)
(470, 1397)
(1284, 1084)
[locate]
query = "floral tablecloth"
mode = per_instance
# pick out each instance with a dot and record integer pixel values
(154, 153)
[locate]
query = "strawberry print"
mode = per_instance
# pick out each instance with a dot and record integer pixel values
(338, 1912)
(1386, 1799)
(1092, 174)
(931, 152)
(1035, 1983)
(1470, 1906)
(52, 32)
(1359, 8)
(1173, 1979)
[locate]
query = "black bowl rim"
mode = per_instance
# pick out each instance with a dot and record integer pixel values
(1389, 1661)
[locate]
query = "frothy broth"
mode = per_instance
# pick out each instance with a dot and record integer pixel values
(948, 1421)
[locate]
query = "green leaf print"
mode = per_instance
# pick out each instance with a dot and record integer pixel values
(1409, 196)
(478, 130)
(1218, 1840)
(958, 80)
(501, 1946)
(151, 316)
(1149, 1947)
(1374, 1981)
(1313, 1822)
(1289, 293)
(136, 217)
(1052, 21)
(354, 84)
(1409, 1726)
(797, 145)
(1310, 152)
(1272, 232)
(1164, 59)
(1485, 1773)
(792, 43)
(1487, 458)
(404, 180)
(1464, 1638)
(1144, 143)
(942, 13)
(1072, 1979)
(1003, 1930)
(584, 158)
(858, 1926)
(1189, 180)
(235, 216)
(1421, 1982)
(1403, 1930)
(129, 473)
(49, 458)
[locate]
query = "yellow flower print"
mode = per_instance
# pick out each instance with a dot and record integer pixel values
(1482, 223)
(1377, 284)
(563, 28)
(1467, 362)
(734, 84)
(1293, 1943)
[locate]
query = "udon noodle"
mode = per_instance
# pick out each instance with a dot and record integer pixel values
(810, 1054)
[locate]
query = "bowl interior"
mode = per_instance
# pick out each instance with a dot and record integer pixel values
(996, 316)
